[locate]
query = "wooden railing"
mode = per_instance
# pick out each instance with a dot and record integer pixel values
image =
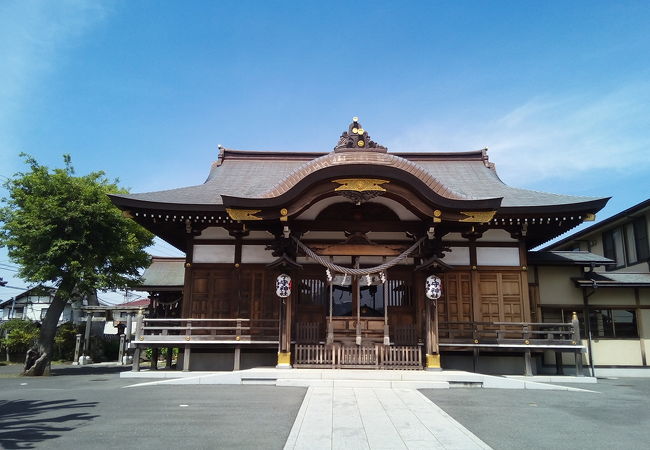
(205, 331)
(510, 334)
(358, 356)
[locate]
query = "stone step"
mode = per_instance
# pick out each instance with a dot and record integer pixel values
(306, 382)
(263, 381)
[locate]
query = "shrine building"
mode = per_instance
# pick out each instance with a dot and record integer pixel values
(355, 257)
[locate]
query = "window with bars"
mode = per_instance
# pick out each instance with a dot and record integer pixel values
(313, 292)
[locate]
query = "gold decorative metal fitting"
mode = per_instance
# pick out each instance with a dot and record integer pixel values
(437, 213)
(524, 268)
(243, 214)
(477, 216)
(188, 265)
(142, 338)
(360, 184)
(474, 267)
(237, 338)
(526, 342)
(283, 214)
(573, 342)
(355, 119)
(236, 265)
(476, 341)
(589, 217)
(360, 131)
(354, 130)
(187, 338)
(360, 143)
(126, 213)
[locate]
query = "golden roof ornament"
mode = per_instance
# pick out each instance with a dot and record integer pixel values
(356, 138)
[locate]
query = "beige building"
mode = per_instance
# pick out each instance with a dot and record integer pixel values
(602, 273)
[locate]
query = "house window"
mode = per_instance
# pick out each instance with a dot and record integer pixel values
(613, 323)
(43, 313)
(564, 315)
(628, 244)
(18, 313)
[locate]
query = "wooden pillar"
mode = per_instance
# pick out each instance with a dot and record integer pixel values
(186, 306)
(288, 307)
(433, 354)
(168, 358)
(475, 285)
(386, 330)
(284, 344)
(330, 325)
(559, 368)
(576, 339)
(155, 353)
(528, 366)
(237, 358)
(357, 289)
(186, 358)
(640, 326)
(525, 297)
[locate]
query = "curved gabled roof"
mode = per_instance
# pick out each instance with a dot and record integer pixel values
(251, 174)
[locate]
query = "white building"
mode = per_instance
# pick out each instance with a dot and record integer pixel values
(33, 305)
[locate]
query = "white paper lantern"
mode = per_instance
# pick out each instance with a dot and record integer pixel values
(283, 286)
(433, 287)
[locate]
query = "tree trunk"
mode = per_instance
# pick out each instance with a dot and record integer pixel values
(38, 358)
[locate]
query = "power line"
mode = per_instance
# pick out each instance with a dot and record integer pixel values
(14, 287)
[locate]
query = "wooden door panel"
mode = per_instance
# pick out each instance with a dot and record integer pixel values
(501, 297)
(455, 305)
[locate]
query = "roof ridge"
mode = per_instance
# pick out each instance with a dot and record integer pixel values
(374, 158)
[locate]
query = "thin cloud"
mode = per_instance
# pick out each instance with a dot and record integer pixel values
(33, 37)
(551, 137)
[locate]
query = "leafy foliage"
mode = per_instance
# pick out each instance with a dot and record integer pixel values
(18, 335)
(63, 229)
(57, 225)
(65, 340)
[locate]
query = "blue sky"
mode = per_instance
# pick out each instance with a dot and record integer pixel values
(558, 91)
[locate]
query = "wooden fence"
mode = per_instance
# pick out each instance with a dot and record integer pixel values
(339, 356)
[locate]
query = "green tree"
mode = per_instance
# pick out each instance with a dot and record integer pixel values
(62, 229)
(18, 335)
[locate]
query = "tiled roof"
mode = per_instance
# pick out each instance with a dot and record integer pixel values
(560, 258)
(164, 272)
(615, 279)
(143, 302)
(263, 174)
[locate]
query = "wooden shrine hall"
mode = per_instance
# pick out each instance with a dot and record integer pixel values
(351, 237)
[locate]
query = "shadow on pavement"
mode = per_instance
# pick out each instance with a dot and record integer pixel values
(24, 423)
(88, 370)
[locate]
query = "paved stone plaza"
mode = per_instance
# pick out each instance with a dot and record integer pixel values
(92, 407)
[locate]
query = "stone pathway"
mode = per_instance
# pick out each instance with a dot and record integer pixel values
(375, 418)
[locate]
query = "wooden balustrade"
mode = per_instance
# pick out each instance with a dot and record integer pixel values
(510, 334)
(205, 331)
